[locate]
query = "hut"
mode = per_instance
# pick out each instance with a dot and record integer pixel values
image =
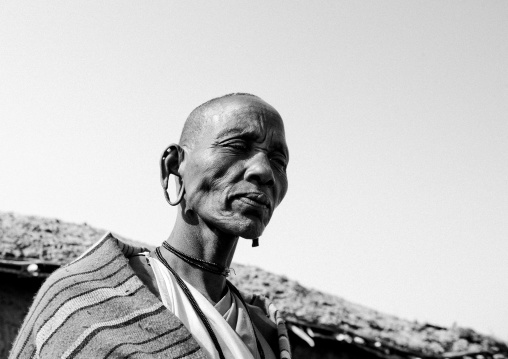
(320, 325)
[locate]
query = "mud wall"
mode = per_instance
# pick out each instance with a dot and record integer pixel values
(16, 295)
(326, 349)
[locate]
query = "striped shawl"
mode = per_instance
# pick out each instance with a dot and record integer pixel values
(96, 307)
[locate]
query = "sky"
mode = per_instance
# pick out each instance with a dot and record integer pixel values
(396, 121)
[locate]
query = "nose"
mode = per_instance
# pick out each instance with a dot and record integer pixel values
(260, 170)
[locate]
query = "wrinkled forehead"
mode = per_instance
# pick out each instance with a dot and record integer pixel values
(252, 118)
(249, 118)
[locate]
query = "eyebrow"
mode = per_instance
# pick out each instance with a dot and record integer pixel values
(247, 132)
(251, 134)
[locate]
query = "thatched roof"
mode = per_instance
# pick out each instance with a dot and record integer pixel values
(51, 242)
(45, 240)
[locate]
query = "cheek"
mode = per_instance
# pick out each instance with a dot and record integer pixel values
(208, 184)
(282, 188)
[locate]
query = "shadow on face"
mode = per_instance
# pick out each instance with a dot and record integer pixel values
(235, 170)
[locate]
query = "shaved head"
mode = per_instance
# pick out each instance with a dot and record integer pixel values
(199, 117)
(233, 164)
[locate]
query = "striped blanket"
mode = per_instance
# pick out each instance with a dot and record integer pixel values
(96, 307)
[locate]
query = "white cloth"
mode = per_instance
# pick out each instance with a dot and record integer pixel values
(228, 313)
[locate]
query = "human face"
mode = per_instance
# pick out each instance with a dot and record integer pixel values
(235, 174)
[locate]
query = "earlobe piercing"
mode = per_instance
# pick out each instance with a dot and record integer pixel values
(180, 194)
(165, 185)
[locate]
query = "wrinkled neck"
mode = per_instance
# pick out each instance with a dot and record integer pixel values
(200, 241)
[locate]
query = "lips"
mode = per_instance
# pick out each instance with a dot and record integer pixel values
(255, 199)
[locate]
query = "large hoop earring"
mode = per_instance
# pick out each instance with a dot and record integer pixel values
(180, 194)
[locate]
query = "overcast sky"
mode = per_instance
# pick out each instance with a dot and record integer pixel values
(395, 114)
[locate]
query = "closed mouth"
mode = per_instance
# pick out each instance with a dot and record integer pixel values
(255, 199)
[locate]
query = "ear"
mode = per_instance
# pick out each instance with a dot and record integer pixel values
(170, 163)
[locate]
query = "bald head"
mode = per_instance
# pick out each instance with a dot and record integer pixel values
(231, 164)
(204, 113)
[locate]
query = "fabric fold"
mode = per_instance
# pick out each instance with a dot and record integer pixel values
(228, 318)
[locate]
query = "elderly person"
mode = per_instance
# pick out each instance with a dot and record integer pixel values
(119, 301)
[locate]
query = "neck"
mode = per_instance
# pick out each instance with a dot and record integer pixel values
(200, 241)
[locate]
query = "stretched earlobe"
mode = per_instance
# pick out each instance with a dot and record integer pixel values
(169, 164)
(178, 198)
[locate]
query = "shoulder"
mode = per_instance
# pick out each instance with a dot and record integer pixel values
(102, 265)
(102, 272)
(268, 320)
(98, 287)
(263, 306)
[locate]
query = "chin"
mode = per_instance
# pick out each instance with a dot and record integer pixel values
(252, 235)
(252, 231)
(245, 226)
(247, 229)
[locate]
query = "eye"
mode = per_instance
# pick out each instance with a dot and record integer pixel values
(238, 145)
(279, 162)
